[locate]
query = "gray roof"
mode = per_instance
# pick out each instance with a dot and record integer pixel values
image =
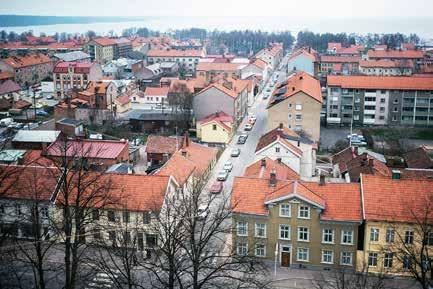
(9, 156)
(120, 168)
(46, 136)
(70, 121)
(151, 115)
(72, 56)
(378, 156)
(167, 64)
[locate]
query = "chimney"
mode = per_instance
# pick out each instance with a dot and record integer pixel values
(396, 174)
(280, 126)
(263, 163)
(301, 77)
(186, 141)
(322, 180)
(272, 178)
(279, 160)
(355, 151)
(183, 152)
(371, 162)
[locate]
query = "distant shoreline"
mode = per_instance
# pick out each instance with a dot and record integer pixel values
(33, 20)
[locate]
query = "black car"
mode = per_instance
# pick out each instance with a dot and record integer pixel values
(242, 139)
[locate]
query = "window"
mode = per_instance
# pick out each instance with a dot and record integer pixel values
(298, 127)
(214, 127)
(260, 230)
(298, 116)
(298, 107)
(303, 254)
(95, 215)
(372, 259)
(290, 105)
(277, 149)
(387, 260)
(260, 250)
(374, 235)
(327, 256)
(242, 248)
(346, 258)
(151, 240)
(2, 209)
(290, 116)
(242, 228)
(18, 210)
(395, 109)
(328, 236)
(112, 237)
(126, 217)
(382, 100)
(285, 210)
(407, 262)
(303, 234)
(429, 239)
(389, 238)
(147, 217)
(44, 212)
(304, 212)
(111, 216)
(408, 237)
(284, 232)
(347, 237)
(395, 101)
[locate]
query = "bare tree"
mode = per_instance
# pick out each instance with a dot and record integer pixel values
(413, 247)
(181, 102)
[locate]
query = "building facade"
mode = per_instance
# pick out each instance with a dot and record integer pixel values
(186, 59)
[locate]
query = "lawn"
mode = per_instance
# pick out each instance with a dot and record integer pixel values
(398, 133)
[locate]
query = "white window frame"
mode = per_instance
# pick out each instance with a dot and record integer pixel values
(411, 236)
(327, 234)
(308, 212)
(256, 230)
(349, 255)
(298, 106)
(289, 208)
(345, 232)
(264, 250)
(331, 255)
(238, 228)
(279, 231)
(390, 232)
(386, 258)
(376, 258)
(307, 252)
(374, 234)
(299, 234)
(244, 242)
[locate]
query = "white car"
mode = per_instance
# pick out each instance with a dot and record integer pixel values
(222, 175)
(228, 166)
(248, 126)
(202, 212)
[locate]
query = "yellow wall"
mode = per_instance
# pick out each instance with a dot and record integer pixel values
(315, 244)
(206, 133)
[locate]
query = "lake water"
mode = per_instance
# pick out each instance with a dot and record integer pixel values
(422, 26)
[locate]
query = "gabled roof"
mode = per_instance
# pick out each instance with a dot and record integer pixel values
(158, 144)
(175, 53)
(295, 189)
(104, 41)
(201, 156)
(380, 82)
(178, 167)
(386, 63)
(219, 117)
(279, 135)
(24, 61)
(6, 75)
(305, 51)
(410, 54)
(385, 199)
(340, 59)
(9, 86)
(260, 63)
(366, 164)
(225, 89)
(344, 155)
(299, 82)
(419, 158)
(156, 91)
(98, 86)
(262, 168)
(98, 149)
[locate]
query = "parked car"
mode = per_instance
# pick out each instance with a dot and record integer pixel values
(265, 95)
(202, 212)
(222, 175)
(354, 135)
(248, 127)
(41, 113)
(252, 119)
(50, 96)
(235, 152)
(242, 139)
(228, 166)
(216, 187)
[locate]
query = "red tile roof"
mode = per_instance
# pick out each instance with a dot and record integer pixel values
(202, 156)
(6, 75)
(35, 158)
(98, 86)
(78, 67)
(237, 87)
(366, 164)
(217, 66)
(306, 51)
(175, 53)
(380, 82)
(180, 85)
(178, 167)
(28, 182)
(250, 194)
(104, 41)
(21, 104)
(24, 61)
(301, 81)
(160, 91)
(101, 149)
(124, 99)
(410, 54)
(158, 144)
(385, 63)
(344, 155)
(217, 116)
(263, 168)
(340, 59)
(419, 158)
(260, 63)
(9, 86)
(390, 200)
(278, 134)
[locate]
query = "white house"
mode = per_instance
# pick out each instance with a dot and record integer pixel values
(298, 152)
(154, 95)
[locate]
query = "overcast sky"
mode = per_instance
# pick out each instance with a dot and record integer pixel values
(286, 8)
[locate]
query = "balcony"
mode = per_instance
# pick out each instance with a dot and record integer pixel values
(370, 112)
(369, 120)
(370, 94)
(373, 103)
(333, 120)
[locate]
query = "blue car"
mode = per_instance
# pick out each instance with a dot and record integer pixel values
(41, 113)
